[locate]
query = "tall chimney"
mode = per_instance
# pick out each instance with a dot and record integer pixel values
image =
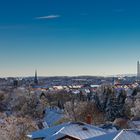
(89, 119)
(138, 70)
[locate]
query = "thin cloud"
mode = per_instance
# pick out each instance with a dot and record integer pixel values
(49, 17)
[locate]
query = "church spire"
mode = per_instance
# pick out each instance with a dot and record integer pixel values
(36, 79)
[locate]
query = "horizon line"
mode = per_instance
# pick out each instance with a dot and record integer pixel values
(112, 75)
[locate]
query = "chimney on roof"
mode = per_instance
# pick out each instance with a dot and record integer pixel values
(89, 119)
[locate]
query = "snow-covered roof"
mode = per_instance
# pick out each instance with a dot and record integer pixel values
(82, 131)
(128, 135)
(94, 86)
(136, 122)
(52, 116)
(119, 135)
(108, 136)
(76, 130)
(46, 133)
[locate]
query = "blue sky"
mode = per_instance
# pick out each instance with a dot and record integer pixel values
(69, 37)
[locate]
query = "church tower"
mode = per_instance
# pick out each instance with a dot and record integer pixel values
(36, 79)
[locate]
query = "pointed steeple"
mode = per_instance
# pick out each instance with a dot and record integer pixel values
(36, 79)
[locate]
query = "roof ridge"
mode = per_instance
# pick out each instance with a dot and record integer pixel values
(118, 135)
